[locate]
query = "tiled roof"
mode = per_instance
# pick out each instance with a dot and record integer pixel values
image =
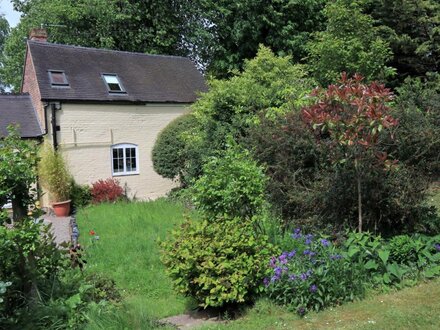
(146, 78)
(18, 109)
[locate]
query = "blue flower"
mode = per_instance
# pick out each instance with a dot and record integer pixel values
(274, 278)
(309, 239)
(313, 288)
(306, 252)
(304, 276)
(301, 310)
(335, 256)
(437, 247)
(283, 258)
(266, 281)
(278, 271)
(325, 243)
(296, 234)
(292, 277)
(291, 254)
(273, 262)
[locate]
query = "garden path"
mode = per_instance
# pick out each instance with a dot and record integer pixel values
(191, 320)
(60, 227)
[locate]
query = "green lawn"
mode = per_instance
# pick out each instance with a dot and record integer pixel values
(127, 251)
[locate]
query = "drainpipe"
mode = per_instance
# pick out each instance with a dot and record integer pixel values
(55, 106)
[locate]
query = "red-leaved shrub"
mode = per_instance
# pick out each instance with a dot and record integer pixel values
(107, 190)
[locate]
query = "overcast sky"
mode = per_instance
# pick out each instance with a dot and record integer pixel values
(11, 15)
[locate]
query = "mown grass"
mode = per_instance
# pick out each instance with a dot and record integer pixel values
(411, 308)
(128, 252)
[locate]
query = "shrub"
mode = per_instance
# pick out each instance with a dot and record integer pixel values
(107, 190)
(80, 195)
(53, 174)
(232, 185)
(403, 249)
(169, 153)
(217, 263)
(313, 275)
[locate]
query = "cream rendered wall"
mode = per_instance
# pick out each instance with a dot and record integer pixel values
(87, 132)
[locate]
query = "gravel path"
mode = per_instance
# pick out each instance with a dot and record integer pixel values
(60, 227)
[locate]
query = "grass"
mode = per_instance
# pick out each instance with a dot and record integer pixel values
(410, 308)
(128, 252)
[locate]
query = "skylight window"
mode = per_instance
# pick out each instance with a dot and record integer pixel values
(113, 83)
(58, 78)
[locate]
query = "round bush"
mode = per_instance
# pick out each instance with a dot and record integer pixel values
(217, 263)
(168, 153)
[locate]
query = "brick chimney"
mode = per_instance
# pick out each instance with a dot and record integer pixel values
(38, 34)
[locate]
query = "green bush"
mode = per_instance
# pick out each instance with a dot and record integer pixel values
(217, 263)
(403, 249)
(314, 275)
(80, 195)
(232, 185)
(169, 153)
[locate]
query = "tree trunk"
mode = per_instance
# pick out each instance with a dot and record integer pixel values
(18, 209)
(359, 191)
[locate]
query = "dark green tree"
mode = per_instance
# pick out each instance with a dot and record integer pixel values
(412, 29)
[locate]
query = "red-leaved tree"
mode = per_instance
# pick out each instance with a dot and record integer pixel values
(351, 116)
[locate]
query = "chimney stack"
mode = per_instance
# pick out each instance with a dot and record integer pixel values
(38, 34)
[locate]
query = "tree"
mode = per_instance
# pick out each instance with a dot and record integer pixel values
(349, 43)
(18, 172)
(4, 32)
(223, 34)
(352, 116)
(412, 29)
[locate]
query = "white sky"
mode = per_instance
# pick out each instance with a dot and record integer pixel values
(11, 15)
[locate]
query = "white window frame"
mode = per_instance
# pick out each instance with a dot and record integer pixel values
(124, 147)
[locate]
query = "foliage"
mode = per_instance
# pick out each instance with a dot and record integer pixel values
(313, 275)
(418, 136)
(349, 43)
(218, 264)
(412, 30)
(18, 161)
(80, 195)
(269, 86)
(223, 34)
(232, 185)
(294, 163)
(107, 190)
(170, 149)
(403, 260)
(53, 174)
(350, 118)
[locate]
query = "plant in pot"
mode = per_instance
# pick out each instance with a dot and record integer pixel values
(56, 179)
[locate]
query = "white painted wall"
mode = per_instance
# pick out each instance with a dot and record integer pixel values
(87, 132)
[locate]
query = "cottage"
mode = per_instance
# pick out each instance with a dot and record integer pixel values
(102, 109)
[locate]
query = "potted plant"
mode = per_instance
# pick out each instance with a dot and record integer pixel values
(56, 179)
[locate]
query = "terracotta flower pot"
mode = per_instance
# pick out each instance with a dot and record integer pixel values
(61, 209)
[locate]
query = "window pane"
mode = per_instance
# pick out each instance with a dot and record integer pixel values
(113, 83)
(58, 78)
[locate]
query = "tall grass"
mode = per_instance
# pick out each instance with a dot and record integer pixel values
(128, 252)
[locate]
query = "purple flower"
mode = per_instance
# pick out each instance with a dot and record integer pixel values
(291, 254)
(313, 288)
(335, 256)
(266, 281)
(309, 272)
(437, 247)
(306, 252)
(273, 263)
(301, 310)
(309, 239)
(303, 276)
(296, 234)
(274, 278)
(292, 277)
(325, 242)
(278, 271)
(283, 258)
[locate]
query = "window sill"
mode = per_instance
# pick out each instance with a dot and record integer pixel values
(125, 174)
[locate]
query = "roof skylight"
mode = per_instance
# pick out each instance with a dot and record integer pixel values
(113, 84)
(58, 78)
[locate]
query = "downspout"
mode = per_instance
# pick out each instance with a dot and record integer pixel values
(54, 107)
